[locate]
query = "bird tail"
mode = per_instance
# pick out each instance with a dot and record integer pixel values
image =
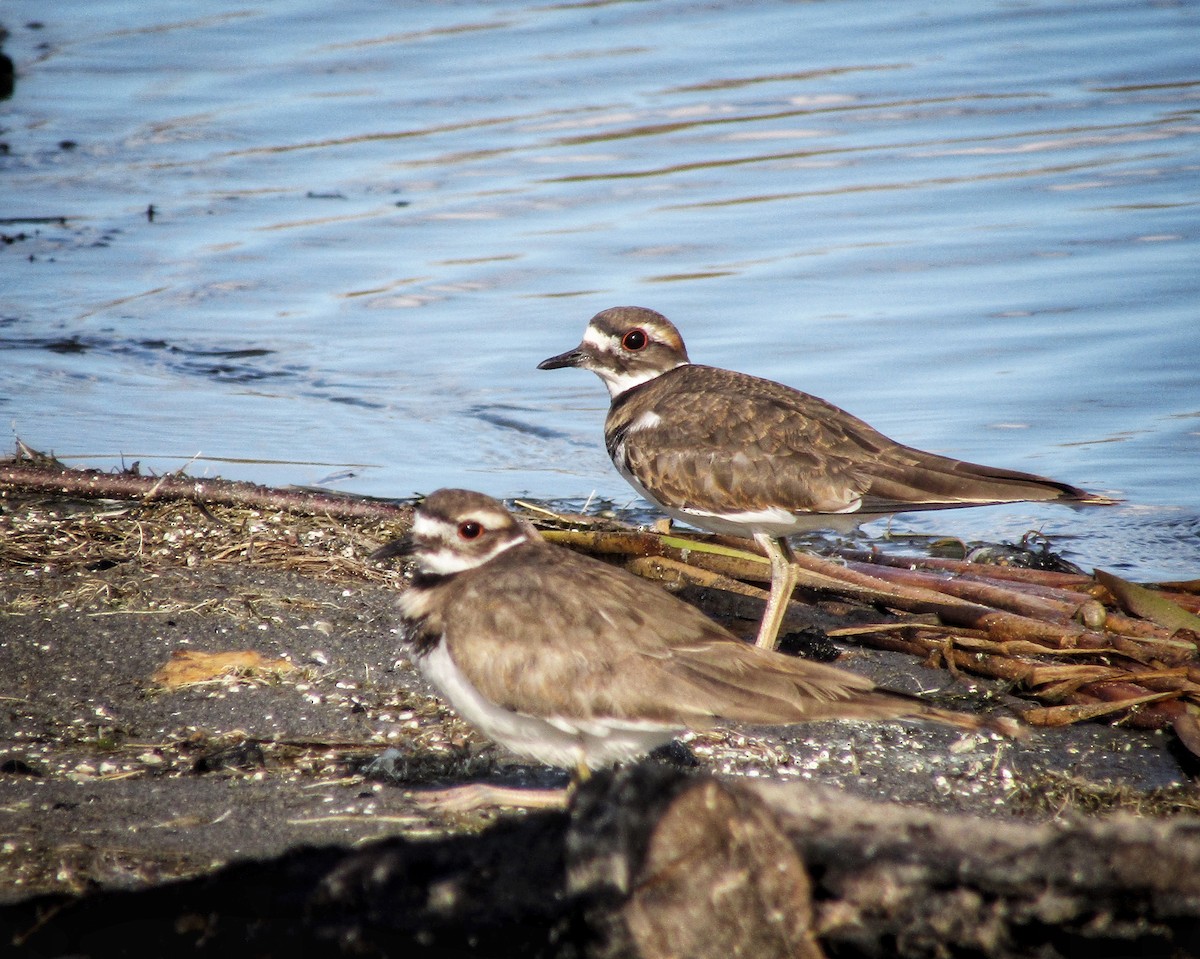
(1004, 725)
(885, 704)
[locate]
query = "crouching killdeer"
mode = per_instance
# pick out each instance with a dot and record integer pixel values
(578, 664)
(736, 454)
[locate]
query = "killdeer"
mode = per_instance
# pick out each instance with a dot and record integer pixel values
(736, 454)
(579, 664)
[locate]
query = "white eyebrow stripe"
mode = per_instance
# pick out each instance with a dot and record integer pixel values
(594, 338)
(424, 527)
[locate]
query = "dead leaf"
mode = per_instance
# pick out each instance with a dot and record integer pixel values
(1147, 603)
(188, 667)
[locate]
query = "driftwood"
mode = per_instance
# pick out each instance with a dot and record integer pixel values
(49, 477)
(653, 863)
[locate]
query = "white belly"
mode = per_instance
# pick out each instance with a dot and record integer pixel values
(555, 741)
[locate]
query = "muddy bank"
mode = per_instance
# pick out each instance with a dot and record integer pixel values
(117, 777)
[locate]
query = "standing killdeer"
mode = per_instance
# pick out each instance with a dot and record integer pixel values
(745, 456)
(579, 664)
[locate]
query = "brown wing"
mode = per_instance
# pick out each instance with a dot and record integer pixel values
(722, 435)
(581, 639)
(753, 685)
(605, 644)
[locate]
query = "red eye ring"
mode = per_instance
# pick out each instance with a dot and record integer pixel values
(470, 529)
(635, 340)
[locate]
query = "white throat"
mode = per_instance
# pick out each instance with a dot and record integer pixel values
(619, 382)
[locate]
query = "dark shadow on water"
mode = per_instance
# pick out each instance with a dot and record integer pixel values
(487, 415)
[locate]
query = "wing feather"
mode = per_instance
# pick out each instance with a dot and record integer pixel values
(720, 437)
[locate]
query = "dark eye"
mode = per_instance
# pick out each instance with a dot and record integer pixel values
(635, 340)
(470, 529)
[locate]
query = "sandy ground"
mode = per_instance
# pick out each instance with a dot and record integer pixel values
(113, 776)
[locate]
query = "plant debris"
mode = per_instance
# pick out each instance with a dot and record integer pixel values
(188, 667)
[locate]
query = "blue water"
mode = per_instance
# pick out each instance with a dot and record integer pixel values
(974, 225)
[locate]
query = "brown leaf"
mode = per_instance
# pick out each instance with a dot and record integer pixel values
(188, 667)
(1147, 604)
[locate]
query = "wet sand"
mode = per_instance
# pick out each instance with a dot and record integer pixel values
(115, 777)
